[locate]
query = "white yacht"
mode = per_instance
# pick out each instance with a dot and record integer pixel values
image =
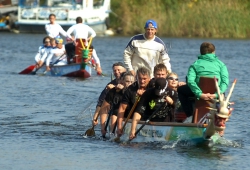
(33, 14)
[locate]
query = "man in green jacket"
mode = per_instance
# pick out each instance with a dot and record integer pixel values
(207, 65)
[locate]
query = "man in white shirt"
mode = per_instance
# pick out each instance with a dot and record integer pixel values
(81, 31)
(53, 29)
(146, 50)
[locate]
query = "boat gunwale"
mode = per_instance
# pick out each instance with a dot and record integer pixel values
(174, 124)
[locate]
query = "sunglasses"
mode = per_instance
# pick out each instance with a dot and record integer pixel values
(46, 41)
(171, 78)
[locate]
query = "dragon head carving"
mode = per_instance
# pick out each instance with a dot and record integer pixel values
(220, 111)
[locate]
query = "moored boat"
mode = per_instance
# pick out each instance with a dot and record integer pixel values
(33, 15)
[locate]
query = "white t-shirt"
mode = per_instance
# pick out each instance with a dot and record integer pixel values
(41, 51)
(81, 31)
(55, 54)
(143, 52)
(54, 30)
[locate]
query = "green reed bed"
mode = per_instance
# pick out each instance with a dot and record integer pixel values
(185, 18)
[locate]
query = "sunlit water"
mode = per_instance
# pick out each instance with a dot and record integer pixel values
(43, 118)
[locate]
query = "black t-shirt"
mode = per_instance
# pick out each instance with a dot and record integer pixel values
(151, 83)
(104, 93)
(129, 98)
(150, 102)
(114, 98)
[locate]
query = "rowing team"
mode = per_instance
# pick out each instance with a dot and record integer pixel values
(53, 52)
(137, 98)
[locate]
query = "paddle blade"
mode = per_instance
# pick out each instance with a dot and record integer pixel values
(28, 70)
(117, 139)
(90, 132)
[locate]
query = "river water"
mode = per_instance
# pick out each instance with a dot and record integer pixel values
(43, 118)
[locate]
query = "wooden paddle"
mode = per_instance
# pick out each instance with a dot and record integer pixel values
(34, 72)
(117, 139)
(107, 122)
(101, 74)
(150, 117)
(28, 70)
(91, 131)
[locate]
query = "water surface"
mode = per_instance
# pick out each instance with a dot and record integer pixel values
(43, 118)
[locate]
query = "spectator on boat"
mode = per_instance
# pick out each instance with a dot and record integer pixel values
(207, 65)
(118, 69)
(113, 99)
(56, 55)
(146, 50)
(41, 51)
(129, 97)
(81, 31)
(53, 29)
(151, 101)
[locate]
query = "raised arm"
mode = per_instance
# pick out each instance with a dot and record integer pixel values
(128, 53)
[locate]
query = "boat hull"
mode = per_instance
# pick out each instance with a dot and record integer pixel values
(70, 70)
(170, 131)
(100, 28)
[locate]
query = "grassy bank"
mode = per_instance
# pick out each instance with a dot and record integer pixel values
(184, 18)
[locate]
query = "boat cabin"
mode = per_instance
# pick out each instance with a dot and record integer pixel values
(33, 14)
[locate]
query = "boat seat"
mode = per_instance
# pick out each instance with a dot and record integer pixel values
(207, 85)
(180, 115)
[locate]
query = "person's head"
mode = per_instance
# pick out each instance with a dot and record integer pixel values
(206, 48)
(59, 42)
(46, 41)
(150, 29)
(118, 68)
(173, 80)
(52, 18)
(53, 42)
(160, 86)
(160, 70)
(143, 76)
(79, 20)
(126, 79)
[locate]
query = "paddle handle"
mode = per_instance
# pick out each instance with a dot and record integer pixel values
(113, 131)
(107, 122)
(131, 112)
(150, 117)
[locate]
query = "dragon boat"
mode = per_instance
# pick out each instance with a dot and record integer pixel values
(208, 124)
(81, 67)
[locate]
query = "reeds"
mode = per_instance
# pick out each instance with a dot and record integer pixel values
(185, 18)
